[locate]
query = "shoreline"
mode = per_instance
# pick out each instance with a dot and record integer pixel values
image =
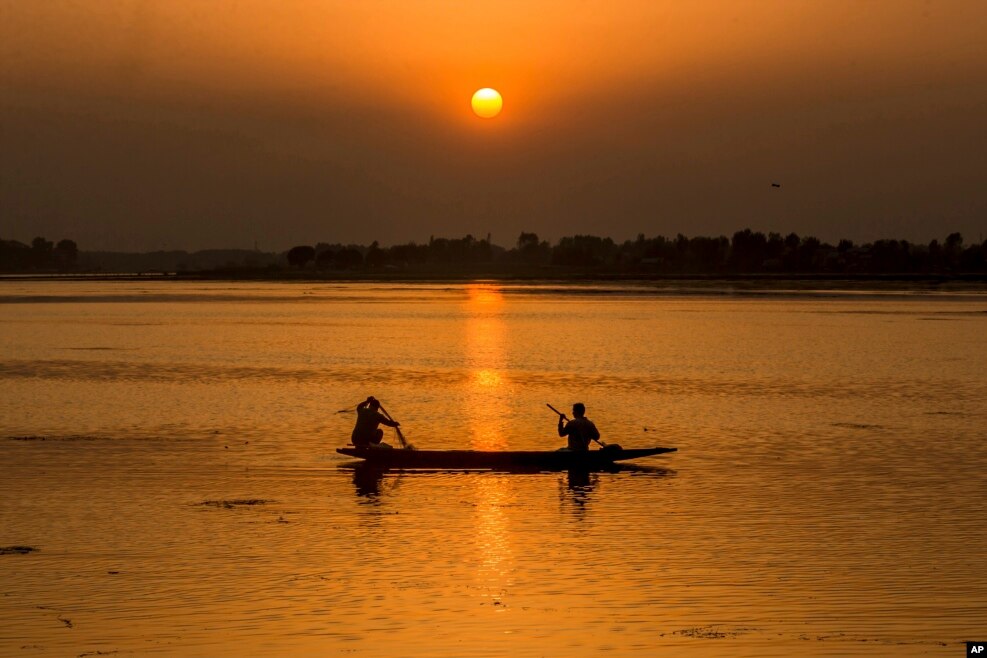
(972, 282)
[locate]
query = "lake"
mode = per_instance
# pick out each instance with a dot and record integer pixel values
(168, 448)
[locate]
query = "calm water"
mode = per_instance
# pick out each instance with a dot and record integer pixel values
(828, 496)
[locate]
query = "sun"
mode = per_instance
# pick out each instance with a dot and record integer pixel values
(487, 103)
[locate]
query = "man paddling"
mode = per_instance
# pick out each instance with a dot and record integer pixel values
(366, 433)
(580, 429)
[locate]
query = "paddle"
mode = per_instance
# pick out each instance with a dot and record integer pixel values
(404, 444)
(563, 416)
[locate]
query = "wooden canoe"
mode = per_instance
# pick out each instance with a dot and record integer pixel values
(499, 460)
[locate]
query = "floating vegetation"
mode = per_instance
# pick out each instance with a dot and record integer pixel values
(95, 349)
(843, 637)
(238, 502)
(859, 426)
(19, 550)
(711, 632)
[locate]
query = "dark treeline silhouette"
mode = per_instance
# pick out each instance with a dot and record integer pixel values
(439, 253)
(41, 254)
(179, 261)
(747, 252)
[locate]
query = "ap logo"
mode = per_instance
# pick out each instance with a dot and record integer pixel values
(976, 649)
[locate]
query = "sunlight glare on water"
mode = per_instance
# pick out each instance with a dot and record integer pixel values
(168, 449)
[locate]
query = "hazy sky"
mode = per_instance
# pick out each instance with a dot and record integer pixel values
(188, 124)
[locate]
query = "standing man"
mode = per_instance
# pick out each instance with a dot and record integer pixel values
(580, 429)
(366, 433)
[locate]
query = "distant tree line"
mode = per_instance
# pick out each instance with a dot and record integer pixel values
(438, 252)
(747, 252)
(41, 254)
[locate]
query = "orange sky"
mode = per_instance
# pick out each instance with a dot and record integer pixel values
(146, 124)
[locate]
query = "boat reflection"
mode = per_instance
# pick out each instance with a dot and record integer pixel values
(577, 492)
(368, 481)
(369, 476)
(579, 484)
(580, 481)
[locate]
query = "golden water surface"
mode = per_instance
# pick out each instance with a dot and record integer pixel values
(168, 450)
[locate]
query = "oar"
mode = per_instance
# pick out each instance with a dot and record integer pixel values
(562, 415)
(404, 444)
(348, 409)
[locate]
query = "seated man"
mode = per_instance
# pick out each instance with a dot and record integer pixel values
(366, 433)
(580, 429)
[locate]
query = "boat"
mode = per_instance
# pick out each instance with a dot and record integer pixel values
(552, 460)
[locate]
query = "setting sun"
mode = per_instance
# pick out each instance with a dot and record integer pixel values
(487, 103)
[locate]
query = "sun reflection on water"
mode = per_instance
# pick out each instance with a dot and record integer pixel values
(486, 396)
(493, 535)
(484, 295)
(485, 400)
(490, 378)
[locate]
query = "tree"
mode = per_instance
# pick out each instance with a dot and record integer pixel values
(300, 256)
(807, 254)
(888, 256)
(530, 250)
(348, 259)
(14, 255)
(708, 254)
(324, 259)
(66, 253)
(583, 251)
(748, 250)
(375, 256)
(974, 258)
(41, 251)
(527, 241)
(776, 246)
(411, 253)
(934, 257)
(951, 250)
